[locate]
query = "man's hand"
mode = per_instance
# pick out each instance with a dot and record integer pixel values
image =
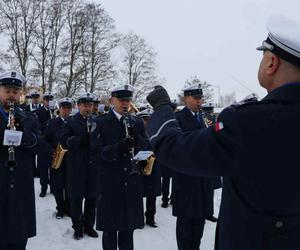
(125, 146)
(158, 97)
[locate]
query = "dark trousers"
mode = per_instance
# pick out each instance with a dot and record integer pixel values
(150, 207)
(14, 246)
(189, 233)
(123, 239)
(35, 170)
(165, 185)
(62, 202)
(85, 220)
(44, 162)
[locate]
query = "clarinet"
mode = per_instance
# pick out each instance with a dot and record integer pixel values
(11, 150)
(127, 124)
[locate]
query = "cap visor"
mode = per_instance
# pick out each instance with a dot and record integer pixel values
(261, 48)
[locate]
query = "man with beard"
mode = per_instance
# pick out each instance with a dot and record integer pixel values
(17, 206)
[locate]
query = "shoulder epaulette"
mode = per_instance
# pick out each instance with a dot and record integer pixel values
(248, 100)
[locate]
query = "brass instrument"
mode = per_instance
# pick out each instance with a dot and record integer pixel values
(58, 156)
(209, 119)
(147, 169)
(133, 108)
(11, 125)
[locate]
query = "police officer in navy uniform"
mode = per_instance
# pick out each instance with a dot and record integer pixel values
(81, 171)
(254, 146)
(96, 103)
(26, 102)
(192, 195)
(44, 114)
(120, 202)
(58, 176)
(35, 102)
(152, 182)
(17, 206)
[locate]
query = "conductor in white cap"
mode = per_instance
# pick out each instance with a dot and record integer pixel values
(254, 146)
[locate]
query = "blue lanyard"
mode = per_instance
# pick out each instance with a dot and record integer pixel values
(4, 114)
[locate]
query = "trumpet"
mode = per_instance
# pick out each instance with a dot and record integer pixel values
(11, 125)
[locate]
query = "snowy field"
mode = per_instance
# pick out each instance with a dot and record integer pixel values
(53, 234)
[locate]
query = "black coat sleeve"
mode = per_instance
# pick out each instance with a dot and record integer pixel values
(68, 139)
(220, 151)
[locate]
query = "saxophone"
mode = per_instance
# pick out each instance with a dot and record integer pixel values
(58, 156)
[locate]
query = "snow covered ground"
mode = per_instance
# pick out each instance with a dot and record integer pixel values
(53, 234)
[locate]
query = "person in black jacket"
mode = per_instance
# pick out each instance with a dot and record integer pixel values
(152, 182)
(120, 201)
(254, 146)
(17, 206)
(81, 170)
(58, 176)
(44, 114)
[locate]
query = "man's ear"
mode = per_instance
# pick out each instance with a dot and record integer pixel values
(273, 63)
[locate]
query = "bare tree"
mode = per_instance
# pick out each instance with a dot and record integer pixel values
(206, 88)
(18, 21)
(71, 70)
(99, 40)
(47, 36)
(139, 68)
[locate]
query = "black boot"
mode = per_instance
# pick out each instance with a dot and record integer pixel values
(43, 194)
(164, 204)
(78, 234)
(91, 232)
(212, 218)
(59, 215)
(150, 222)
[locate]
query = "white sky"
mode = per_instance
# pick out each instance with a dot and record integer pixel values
(215, 40)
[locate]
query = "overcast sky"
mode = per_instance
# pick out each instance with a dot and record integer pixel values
(214, 40)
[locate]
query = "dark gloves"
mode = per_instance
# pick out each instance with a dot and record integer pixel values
(158, 97)
(19, 119)
(85, 139)
(125, 145)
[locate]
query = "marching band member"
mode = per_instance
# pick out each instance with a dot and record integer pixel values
(192, 196)
(152, 182)
(81, 171)
(44, 114)
(58, 172)
(17, 206)
(118, 136)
